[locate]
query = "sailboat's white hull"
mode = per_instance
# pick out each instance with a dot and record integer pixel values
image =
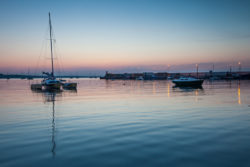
(56, 86)
(51, 84)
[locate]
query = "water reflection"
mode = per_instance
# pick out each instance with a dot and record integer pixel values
(51, 98)
(53, 95)
(239, 100)
(168, 89)
(112, 119)
(188, 89)
(229, 83)
(153, 87)
(196, 92)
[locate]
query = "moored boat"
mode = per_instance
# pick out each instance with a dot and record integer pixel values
(140, 78)
(49, 82)
(69, 85)
(188, 81)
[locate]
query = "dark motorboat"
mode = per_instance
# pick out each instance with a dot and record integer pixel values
(188, 82)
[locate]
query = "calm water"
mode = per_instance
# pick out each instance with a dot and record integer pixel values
(125, 123)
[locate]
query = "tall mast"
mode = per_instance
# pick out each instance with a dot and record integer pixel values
(51, 46)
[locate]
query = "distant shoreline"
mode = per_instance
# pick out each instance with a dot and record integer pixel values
(166, 76)
(145, 75)
(21, 76)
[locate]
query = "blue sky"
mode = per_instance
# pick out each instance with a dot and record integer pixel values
(93, 36)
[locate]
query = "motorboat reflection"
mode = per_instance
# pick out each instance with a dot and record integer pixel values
(188, 87)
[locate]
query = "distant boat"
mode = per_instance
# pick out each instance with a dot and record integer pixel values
(62, 80)
(140, 78)
(188, 81)
(169, 78)
(68, 85)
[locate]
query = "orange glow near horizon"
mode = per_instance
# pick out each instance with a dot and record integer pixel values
(124, 35)
(115, 60)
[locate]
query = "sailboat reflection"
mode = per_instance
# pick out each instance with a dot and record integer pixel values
(50, 96)
(52, 99)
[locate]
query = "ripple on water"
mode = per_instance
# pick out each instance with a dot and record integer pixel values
(125, 123)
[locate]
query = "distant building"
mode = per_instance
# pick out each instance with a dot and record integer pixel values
(165, 75)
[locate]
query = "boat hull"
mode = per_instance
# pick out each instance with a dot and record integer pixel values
(55, 86)
(70, 85)
(197, 83)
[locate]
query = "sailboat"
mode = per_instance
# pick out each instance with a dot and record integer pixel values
(50, 82)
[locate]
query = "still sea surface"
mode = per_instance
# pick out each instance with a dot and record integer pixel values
(125, 123)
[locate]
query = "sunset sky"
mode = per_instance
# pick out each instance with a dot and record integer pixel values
(93, 36)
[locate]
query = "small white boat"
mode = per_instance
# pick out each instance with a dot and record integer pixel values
(62, 80)
(169, 78)
(140, 78)
(68, 85)
(188, 81)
